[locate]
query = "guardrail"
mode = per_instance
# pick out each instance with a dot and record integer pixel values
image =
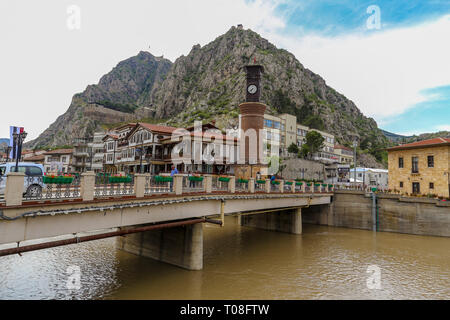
(111, 186)
(90, 186)
(242, 185)
(158, 185)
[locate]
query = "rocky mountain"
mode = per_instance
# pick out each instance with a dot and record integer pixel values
(393, 136)
(397, 139)
(209, 83)
(426, 136)
(116, 98)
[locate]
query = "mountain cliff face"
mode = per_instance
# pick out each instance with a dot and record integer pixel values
(116, 98)
(209, 83)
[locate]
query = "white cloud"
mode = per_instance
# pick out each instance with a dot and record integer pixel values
(382, 73)
(443, 127)
(43, 63)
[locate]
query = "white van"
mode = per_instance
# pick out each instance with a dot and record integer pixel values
(34, 176)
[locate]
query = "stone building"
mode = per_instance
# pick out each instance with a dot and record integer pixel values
(58, 161)
(344, 154)
(284, 131)
(421, 167)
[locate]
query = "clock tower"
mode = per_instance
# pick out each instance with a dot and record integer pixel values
(253, 82)
(252, 122)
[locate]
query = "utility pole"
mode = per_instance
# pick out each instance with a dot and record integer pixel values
(355, 144)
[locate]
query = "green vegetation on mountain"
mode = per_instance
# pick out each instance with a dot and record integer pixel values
(207, 84)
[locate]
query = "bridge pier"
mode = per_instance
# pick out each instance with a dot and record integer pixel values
(180, 246)
(288, 221)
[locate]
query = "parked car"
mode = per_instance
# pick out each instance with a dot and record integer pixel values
(33, 182)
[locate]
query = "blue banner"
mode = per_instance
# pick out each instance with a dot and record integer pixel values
(11, 140)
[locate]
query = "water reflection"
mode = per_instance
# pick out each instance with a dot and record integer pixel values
(243, 263)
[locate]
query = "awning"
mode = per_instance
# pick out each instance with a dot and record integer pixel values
(158, 162)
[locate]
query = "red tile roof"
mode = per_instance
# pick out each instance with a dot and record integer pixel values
(339, 146)
(422, 144)
(60, 151)
(158, 128)
(40, 157)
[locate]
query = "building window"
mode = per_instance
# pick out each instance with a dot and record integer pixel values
(431, 185)
(416, 187)
(268, 123)
(415, 165)
(400, 162)
(401, 184)
(430, 161)
(283, 127)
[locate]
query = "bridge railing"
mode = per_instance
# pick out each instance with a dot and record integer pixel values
(242, 185)
(195, 183)
(158, 184)
(89, 186)
(260, 186)
(275, 186)
(51, 188)
(114, 186)
(220, 183)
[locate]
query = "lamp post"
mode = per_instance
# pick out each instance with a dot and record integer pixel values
(18, 139)
(141, 152)
(355, 144)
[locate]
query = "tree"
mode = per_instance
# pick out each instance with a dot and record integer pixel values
(293, 148)
(276, 165)
(314, 141)
(304, 151)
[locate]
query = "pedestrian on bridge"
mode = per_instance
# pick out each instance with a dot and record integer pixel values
(172, 174)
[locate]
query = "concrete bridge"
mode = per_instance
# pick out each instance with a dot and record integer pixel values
(160, 220)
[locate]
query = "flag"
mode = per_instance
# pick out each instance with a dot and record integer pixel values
(12, 144)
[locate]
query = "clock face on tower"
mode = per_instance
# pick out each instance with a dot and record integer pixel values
(252, 89)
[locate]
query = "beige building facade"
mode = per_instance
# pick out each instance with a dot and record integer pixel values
(285, 130)
(421, 168)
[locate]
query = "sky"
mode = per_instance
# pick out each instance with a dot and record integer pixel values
(390, 57)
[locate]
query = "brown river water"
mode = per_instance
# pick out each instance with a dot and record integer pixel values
(243, 263)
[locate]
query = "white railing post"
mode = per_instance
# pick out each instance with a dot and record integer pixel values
(268, 186)
(14, 188)
(251, 185)
(87, 186)
(178, 184)
(281, 186)
(232, 185)
(208, 183)
(139, 185)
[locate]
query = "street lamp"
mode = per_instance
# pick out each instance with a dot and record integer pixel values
(141, 152)
(18, 140)
(355, 144)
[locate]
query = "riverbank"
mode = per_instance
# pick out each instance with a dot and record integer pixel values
(353, 209)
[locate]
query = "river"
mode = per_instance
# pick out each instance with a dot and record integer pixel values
(243, 263)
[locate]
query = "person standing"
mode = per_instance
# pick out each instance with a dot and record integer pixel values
(172, 174)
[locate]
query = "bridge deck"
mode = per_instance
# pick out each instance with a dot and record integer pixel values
(43, 219)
